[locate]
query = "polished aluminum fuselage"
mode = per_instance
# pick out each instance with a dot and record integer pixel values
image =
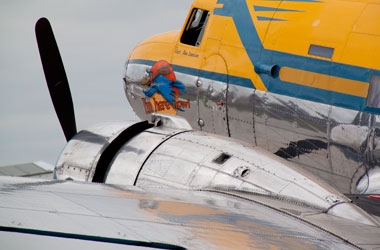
(336, 144)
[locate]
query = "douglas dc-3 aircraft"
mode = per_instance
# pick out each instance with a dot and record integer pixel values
(256, 117)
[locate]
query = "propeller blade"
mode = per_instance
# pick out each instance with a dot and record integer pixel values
(56, 77)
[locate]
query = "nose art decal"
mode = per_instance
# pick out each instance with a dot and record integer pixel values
(161, 90)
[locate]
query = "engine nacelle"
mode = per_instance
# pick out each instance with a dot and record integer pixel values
(168, 153)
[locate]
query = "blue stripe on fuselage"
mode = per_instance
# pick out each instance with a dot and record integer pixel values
(272, 9)
(238, 10)
(235, 80)
(288, 89)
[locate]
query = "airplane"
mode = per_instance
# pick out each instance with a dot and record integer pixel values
(174, 180)
(287, 76)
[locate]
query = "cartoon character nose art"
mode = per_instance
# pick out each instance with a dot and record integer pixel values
(162, 89)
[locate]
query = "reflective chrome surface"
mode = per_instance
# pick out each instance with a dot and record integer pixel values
(370, 182)
(170, 155)
(39, 215)
(338, 145)
(81, 154)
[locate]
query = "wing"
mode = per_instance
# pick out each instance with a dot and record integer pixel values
(39, 214)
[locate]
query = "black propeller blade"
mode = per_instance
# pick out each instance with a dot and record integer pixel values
(56, 77)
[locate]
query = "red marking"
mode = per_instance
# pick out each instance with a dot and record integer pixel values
(147, 106)
(374, 196)
(162, 68)
(163, 105)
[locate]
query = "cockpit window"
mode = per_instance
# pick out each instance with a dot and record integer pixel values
(193, 33)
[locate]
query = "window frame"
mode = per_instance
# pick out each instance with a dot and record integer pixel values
(193, 35)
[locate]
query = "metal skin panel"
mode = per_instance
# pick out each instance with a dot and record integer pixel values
(129, 160)
(170, 154)
(317, 136)
(104, 216)
(296, 130)
(328, 141)
(231, 165)
(81, 154)
(212, 98)
(370, 182)
(212, 106)
(192, 93)
(241, 119)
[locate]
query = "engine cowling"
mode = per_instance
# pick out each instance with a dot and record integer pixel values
(168, 153)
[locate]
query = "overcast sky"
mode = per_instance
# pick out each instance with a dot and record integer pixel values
(94, 38)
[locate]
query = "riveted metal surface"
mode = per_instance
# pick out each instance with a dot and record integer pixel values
(81, 154)
(128, 162)
(240, 113)
(336, 144)
(187, 219)
(130, 158)
(212, 97)
(213, 107)
(173, 164)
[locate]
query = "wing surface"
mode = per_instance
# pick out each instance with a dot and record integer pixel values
(38, 214)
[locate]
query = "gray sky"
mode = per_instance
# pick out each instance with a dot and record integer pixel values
(94, 38)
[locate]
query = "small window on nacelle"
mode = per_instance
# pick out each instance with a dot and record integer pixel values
(195, 27)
